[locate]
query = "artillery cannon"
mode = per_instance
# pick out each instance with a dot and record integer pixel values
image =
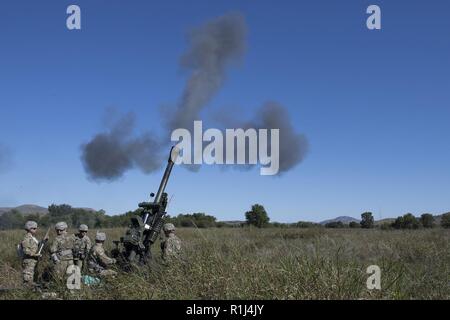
(135, 246)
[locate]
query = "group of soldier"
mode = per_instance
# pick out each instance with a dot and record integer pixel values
(77, 249)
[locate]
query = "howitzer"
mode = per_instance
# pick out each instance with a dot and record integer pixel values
(145, 229)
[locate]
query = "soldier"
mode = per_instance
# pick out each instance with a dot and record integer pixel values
(61, 250)
(98, 261)
(171, 246)
(81, 245)
(29, 248)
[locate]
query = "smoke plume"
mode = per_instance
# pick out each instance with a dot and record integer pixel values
(293, 146)
(213, 47)
(109, 154)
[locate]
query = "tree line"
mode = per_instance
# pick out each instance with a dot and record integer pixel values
(98, 219)
(407, 221)
(256, 216)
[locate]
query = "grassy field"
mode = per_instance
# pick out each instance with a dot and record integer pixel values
(269, 264)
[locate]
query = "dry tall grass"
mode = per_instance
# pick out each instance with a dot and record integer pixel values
(269, 264)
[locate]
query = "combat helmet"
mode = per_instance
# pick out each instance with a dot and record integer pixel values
(30, 225)
(100, 236)
(169, 227)
(61, 226)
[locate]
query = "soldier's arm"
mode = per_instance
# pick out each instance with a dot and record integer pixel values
(104, 258)
(54, 247)
(86, 247)
(28, 248)
(88, 244)
(53, 250)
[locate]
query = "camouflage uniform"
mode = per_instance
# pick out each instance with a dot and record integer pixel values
(98, 261)
(81, 247)
(61, 251)
(30, 247)
(171, 246)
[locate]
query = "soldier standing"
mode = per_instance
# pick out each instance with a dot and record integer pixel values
(81, 245)
(171, 246)
(29, 248)
(98, 261)
(61, 250)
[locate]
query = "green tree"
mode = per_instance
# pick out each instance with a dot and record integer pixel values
(354, 224)
(335, 225)
(407, 221)
(33, 217)
(445, 220)
(12, 220)
(306, 224)
(427, 220)
(257, 216)
(398, 223)
(410, 222)
(367, 221)
(59, 210)
(44, 221)
(122, 220)
(200, 220)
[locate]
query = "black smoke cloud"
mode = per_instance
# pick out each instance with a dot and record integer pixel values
(293, 146)
(111, 153)
(212, 47)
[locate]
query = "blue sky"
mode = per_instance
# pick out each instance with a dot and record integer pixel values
(374, 105)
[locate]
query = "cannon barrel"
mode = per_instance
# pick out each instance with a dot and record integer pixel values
(174, 153)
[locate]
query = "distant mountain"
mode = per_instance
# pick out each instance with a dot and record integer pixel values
(343, 219)
(31, 208)
(26, 209)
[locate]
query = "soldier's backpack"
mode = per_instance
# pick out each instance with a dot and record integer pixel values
(19, 250)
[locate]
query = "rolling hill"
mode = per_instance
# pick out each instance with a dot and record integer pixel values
(31, 208)
(25, 209)
(343, 219)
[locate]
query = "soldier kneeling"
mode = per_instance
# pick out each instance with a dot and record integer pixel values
(171, 246)
(98, 261)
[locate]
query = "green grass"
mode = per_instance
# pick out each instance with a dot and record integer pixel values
(270, 264)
